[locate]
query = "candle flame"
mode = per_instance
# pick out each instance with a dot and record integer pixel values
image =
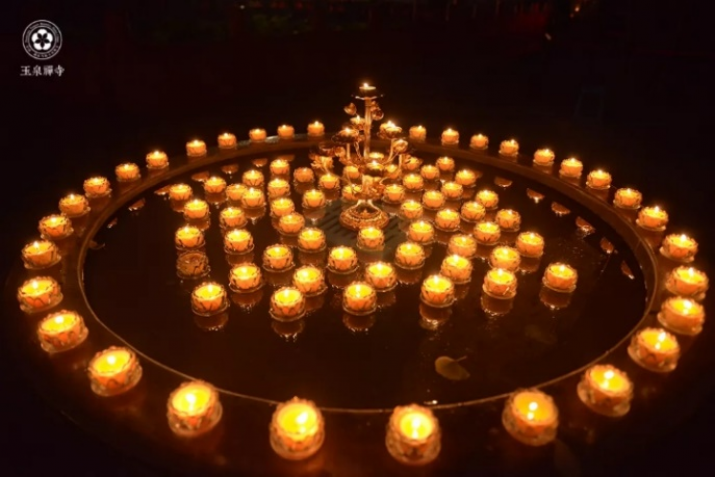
(111, 359)
(59, 319)
(533, 406)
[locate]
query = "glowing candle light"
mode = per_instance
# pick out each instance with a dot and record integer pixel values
(316, 129)
(279, 167)
(509, 220)
(278, 188)
(418, 133)
(253, 178)
(127, 172)
(652, 218)
(445, 164)
(157, 160)
(196, 148)
(286, 131)
(472, 211)
(245, 278)
(411, 210)
(413, 435)
(309, 280)
(531, 417)
(560, 277)
(287, 304)
(655, 350)
(421, 232)
(359, 298)
(433, 200)
(297, 429)
(506, 258)
(39, 294)
(500, 283)
(227, 141)
(196, 209)
(114, 371)
(509, 148)
(257, 135)
(314, 199)
(215, 185)
(487, 233)
(452, 190)
(687, 282)
(96, 187)
(40, 254)
(530, 244)
(278, 258)
(342, 260)
(488, 198)
(61, 331)
(381, 276)
(413, 182)
(464, 245)
(282, 206)
(466, 178)
(209, 299)
(544, 157)
(447, 220)
(311, 239)
(253, 198)
(189, 238)
(238, 241)
(457, 268)
(304, 175)
(606, 390)
(598, 179)
(450, 137)
(679, 247)
(232, 217)
(371, 238)
(393, 193)
(180, 192)
(329, 181)
(682, 315)
(627, 199)
(479, 141)
(437, 291)
(410, 256)
(74, 205)
(193, 409)
(429, 172)
(571, 168)
(291, 224)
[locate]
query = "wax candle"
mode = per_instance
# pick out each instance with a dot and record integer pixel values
(381, 276)
(245, 278)
(410, 163)
(342, 260)
(215, 185)
(598, 179)
(40, 254)
(487, 233)
(127, 172)
(466, 178)
(652, 218)
(304, 175)
(359, 298)
(316, 129)
(531, 417)
(409, 255)
(232, 217)
(437, 291)
(157, 160)
(390, 129)
(627, 199)
(329, 181)
(114, 371)
(297, 429)
(61, 331)
(235, 192)
(606, 390)
(464, 245)
(291, 224)
(279, 167)
(351, 192)
(311, 239)
(472, 211)
(253, 198)
(411, 210)
(452, 190)
(687, 282)
(488, 198)
(196, 209)
(253, 178)
(309, 280)
(39, 294)
(189, 238)
(509, 220)
(530, 244)
(257, 135)
(457, 268)
(500, 283)
(506, 258)
(544, 157)
(571, 168)
(679, 247)
(509, 148)
(429, 172)
(393, 193)
(351, 172)
(313, 199)
(193, 409)
(421, 232)
(278, 188)
(413, 182)
(445, 164)
(418, 133)
(74, 205)
(479, 141)
(287, 304)
(180, 192)
(196, 148)
(433, 200)
(371, 238)
(278, 258)
(450, 137)
(286, 131)
(413, 435)
(192, 265)
(447, 220)
(560, 277)
(96, 187)
(655, 350)
(237, 241)
(682, 315)
(209, 299)
(282, 206)
(227, 141)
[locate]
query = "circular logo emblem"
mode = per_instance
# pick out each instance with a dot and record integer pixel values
(42, 39)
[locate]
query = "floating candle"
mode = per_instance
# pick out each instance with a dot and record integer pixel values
(40, 254)
(189, 237)
(488, 198)
(297, 430)
(196, 209)
(411, 210)
(157, 160)
(466, 178)
(113, 371)
(437, 291)
(479, 141)
(311, 239)
(253, 198)
(61, 331)
(413, 182)
(371, 238)
(450, 137)
(309, 280)
(655, 350)
(381, 276)
(429, 172)
(446, 220)
(530, 244)
(413, 435)
(180, 192)
(286, 131)
(472, 211)
(560, 277)
(509, 148)
(209, 299)
(445, 164)
(687, 282)
(257, 135)
(598, 179)
(329, 181)
(531, 417)
(359, 298)
(96, 187)
(196, 148)
(74, 205)
(316, 129)
(393, 193)
(452, 190)
(433, 200)
(193, 409)
(500, 283)
(509, 220)
(253, 178)
(39, 294)
(487, 233)
(421, 232)
(232, 217)
(507, 258)
(627, 199)
(278, 258)
(237, 241)
(287, 304)
(464, 245)
(682, 315)
(215, 185)
(571, 168)
(457, 268)
(227, 141)
(291, 224)
(282, 206)
(245, 278)
(410, 255)
(342, 260)
(278, 188)
(544, 157)
(680, 248)
(127, 172)
(652, 218)
(606, 390)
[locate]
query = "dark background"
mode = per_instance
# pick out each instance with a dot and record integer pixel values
(623, 84)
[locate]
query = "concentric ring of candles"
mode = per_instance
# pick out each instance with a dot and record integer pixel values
(479, 141)
(598, 179)
(329, 181)
(359, 298)
(687, 282)
(180, 192)
(464, 245)
(371, 238)
(452, 190)
(450, 137)
(114, 371)
(680, 248)
(253, 178)
(196, 148)
(286, 131)
(413, 182)
(393, 193)
(544, 157)
(40, 254)
(421, 232)
(433, 200)
(487, 233)
(61, 331)
(245, 278)
(508, 220)
(215, 185)
(253, 198)
(291, 224)
(189, 237)
(127, 172)
(304, 175)
(437, 291)
(655, 350)
(652, 218)
(530, 244)
(96, 187)
(413, 435)
(504, 257)
(411, 210)
(277, 258)
(157, 160)
(410, 255)
(311, 239)
(227, 141)
(55, 227)
(287, 304)
(627, 199)
(500, 283)
(488, 198)
(193, 409)
(466, 178)
(560, 277)
(606, 390)
(381, 276)
(196, 209)
(232, 217)
(531, 417)
(457, 268)
(39, 294)
(447, 220)
(472, 211)
(682, 316)
(309, 280)
(238, 241)
(297, 429)
(316, 129)
(342, 260)
(282, 206)
(257, 135)
(571, 168)
(74, 205)
(429, 172)
(509, 148)
(208, 299)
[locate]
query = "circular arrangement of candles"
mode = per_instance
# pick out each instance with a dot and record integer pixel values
(457, 268)
(418, 133)
(598, 179)
(571, 168)
(55, 227)
(74, 205)
(410, 256)
(464, 245)
(680, 248)
(215, 185)
(311, 239)
(253, 178)
(413, 182)
(127, 172)
(40, 254)
(61, 331)
(488, 198)
(286, 131)
(479, 141)
(652, 218)
(509, 148)
(429, 172)
(411, 210)
(209, 299)
(257, 135)
(279, 167)
(445, 164)
(560, 277)
(193, 409)
(253, 198)
(466, 178)
(447, 220)
(282, 206)
(627, 199)
(245, 278)
(227, 141)
(342, 260)
(393, 194)
(309, 280)
(278, 258)
(114, 371)
(508, 220)
(531, 417)
(500, 283)
(180, 192)
(544, 157)
(39, 294)
(682, 316)
(655, 350)
(232, 217)
(192, 265)
(329, 181)
(606, 390)
(487, 233)
(450, 137)
(291, 224)
(421, 232)
(304, 175)
(189, 238)
(433, 200)
(314, 199)
(381, 276)
(297, 430)
(235, 192)
(371, 238)
(287, 304)
(157, 160)
(437, 291)
(316, 129)
(452, 190)
(413, 435)
(530, 244)
(238, 241)
(504, 257)
(687, 282)
(96, 187)
(196, 209)
(472, 211)
(196, 148)
(359, 298)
